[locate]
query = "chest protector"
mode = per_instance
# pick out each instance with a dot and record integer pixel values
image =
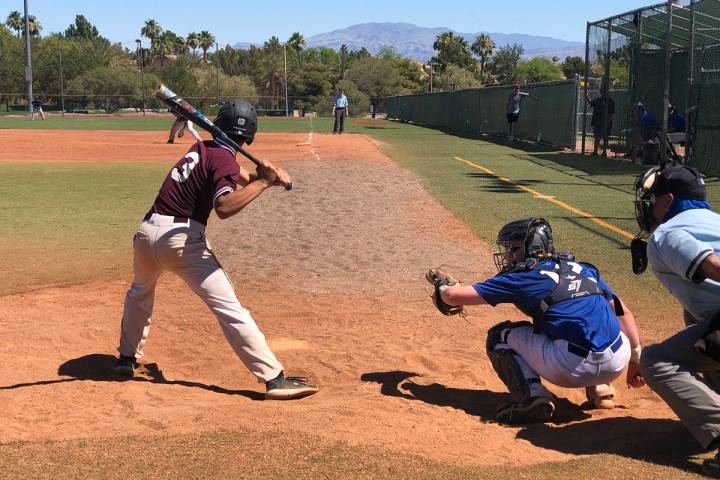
(571, 286)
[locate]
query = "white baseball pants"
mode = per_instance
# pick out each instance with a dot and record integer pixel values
(543, 357)
(179, 124)
(164, 243)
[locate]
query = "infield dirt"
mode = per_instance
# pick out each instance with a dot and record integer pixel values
(333, 274)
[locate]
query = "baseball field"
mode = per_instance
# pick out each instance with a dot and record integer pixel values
(333, 272)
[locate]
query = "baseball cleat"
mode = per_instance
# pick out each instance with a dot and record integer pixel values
(288, 388)
(535, 409)
(126, 366)
(601, 396)
(170, 141)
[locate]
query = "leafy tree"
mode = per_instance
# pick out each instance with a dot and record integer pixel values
(163, 47)
(504, 64)
(375, 77)
(34, 25)
(118, 87)
(573, 66)
(151, 30)
(82, 29)
(239, 86)
(15, 21)
(456, 78)
(296, 42)
(483, 47)
(273, 44)
(313, 83)
(207, 40)
(193, 41)
(539, 69)
(452, 49)
(177, 43)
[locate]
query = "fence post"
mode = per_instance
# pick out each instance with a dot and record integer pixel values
(217, 75)
(585, 86)
(666, 93)
(62, 89)
(576, 92)
(141, 61)
(28, 61)
(691, 76)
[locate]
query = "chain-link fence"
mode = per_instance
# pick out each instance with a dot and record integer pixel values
(16, 103)
(549, 115)
(661, 66)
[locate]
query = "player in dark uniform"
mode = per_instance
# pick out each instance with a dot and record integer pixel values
(172, 238)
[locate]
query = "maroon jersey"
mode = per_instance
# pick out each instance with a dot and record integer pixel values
(207, 171)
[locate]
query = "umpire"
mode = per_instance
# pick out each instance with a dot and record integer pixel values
(340, 110)
(682, 248)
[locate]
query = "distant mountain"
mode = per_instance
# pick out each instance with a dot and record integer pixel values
(416, 42)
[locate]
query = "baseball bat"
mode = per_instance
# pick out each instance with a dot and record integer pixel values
(182, 107)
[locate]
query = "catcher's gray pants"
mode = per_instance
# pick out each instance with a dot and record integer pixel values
(165, 243)
(672, 368)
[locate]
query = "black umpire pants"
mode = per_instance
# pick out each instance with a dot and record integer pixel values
(339, 120)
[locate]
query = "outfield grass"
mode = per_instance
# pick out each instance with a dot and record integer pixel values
(266, 124)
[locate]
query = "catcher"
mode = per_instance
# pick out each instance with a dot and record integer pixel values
(581, 335)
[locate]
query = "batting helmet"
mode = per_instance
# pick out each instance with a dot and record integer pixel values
(523, 239)
(683, 181)
(238, 119)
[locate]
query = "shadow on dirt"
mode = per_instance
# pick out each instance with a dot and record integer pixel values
(658, 441)
(479, 403)
(98, 367)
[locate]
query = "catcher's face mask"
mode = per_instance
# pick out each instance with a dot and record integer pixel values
(645, 199)
(508, 254)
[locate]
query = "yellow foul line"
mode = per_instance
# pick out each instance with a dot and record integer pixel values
(551, 199)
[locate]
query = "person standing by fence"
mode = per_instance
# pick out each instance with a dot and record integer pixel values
(513, 110)
(601, 121)
(340, 110)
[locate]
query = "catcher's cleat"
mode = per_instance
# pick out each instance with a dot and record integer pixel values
(181, 133)
(534, 409)
(288, 388)
(126, 366)
(601, 396)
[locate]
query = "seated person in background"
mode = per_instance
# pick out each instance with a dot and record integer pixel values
(676, 122)
(649, 127)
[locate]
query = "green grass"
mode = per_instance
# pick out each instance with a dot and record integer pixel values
(266, 124)
(287, 455)
(68, 223)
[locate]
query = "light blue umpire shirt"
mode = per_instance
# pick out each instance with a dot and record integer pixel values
(676, 250)
(341, 101)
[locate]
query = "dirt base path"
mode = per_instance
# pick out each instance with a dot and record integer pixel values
(333, 273)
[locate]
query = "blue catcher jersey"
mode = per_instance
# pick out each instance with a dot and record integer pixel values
(587, 321)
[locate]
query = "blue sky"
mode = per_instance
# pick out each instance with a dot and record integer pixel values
(255, 21)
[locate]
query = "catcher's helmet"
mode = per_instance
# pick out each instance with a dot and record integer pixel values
(238, 119)
(523, 239)
(683, 181)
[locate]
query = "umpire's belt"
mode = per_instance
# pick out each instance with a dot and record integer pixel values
(584, 352)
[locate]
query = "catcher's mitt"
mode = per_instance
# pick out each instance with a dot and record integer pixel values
(439, 278)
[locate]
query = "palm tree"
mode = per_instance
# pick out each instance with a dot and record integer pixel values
(34, 25)
(483, 47)
(296, 42)
(193, 41)
(163, 46)
(151, 30)
(206, 41)
(15, 21)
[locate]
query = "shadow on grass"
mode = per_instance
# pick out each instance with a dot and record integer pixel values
(658, 441)
(99, 367)
(595, 229)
